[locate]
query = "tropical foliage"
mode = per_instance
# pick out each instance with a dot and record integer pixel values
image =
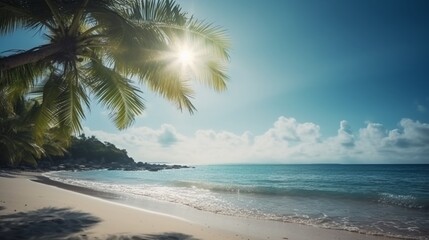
(90, 151)
(94, 149)
(101, 49)
(17, 142)
(97, 47)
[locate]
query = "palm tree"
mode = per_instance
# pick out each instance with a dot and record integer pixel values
(17, 142)
(102, 48)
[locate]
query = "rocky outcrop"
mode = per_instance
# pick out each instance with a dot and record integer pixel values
(91, 154)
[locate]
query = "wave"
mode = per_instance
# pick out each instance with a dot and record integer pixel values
(230, 188)
(406, 201)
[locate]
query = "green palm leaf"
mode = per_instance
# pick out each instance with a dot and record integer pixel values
(70, 110)
(45, 115)
(17, 143)
(214, 37)
(170, 85)
(116, 93)
(33, 14)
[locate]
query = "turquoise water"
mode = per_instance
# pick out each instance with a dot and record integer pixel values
(391, 200)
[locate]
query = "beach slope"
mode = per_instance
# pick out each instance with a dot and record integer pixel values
(30, 209)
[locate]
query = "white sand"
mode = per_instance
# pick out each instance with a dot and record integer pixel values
(32, 210)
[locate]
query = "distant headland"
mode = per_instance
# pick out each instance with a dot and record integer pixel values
(89, 153)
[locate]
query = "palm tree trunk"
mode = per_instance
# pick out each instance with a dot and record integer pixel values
(29, 56)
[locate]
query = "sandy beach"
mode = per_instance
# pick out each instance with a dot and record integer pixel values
(32, 207)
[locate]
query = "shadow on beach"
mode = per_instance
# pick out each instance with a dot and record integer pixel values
(45, 223)
(162, 236)
(64, 223)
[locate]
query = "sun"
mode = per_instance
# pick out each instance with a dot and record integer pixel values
(185, 56)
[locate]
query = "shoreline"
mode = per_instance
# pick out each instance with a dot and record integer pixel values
(129, 220)
(83, 190)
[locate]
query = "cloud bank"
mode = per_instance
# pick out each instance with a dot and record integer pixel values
(287, 141)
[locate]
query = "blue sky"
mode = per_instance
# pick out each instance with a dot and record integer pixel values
(350, 77)
(325, 61)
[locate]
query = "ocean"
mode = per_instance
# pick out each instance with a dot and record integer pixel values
(388, 200)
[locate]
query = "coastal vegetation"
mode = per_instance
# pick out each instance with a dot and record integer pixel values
(88, 153)
(83, 153)
(102, 50)
(18, 146)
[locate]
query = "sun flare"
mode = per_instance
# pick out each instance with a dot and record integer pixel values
(185, 56)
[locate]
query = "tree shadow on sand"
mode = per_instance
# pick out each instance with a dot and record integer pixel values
(162, 236)
(45, 223)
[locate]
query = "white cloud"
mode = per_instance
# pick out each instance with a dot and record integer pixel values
(345, 135)
(168, 136)
(413, 135)
(287, 141)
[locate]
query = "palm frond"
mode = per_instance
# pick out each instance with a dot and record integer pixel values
(116, 93)
(57, 17)
(168, 84)
(213, 37)
(6, 106)
(213, 74)
(45, 113)
(22, 77)
(70, 110)
(16, 141)
(9, 21)
(165, 11)
(55, 142)
(25, 13)
(166, 19)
